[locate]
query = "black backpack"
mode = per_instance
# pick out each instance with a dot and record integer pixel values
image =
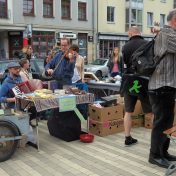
(143, 62)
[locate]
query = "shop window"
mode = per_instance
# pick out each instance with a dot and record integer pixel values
(82, 11)
(48, 8)
(65, 7)
(28, 7)
(42, 42)
(3, 9)
(82, 43)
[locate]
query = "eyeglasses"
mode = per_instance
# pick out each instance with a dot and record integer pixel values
(64, 45)
(16, 68)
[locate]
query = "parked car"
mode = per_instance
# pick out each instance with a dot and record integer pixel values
(36, 66)
(98, 67)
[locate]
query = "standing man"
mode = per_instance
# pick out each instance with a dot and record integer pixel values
(12, 79)
(162, 86)
(135, 41)
(64, 72)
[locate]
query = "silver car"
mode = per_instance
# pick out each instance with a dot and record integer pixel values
(98, 67)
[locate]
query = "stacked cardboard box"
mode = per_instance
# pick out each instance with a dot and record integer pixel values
(175, 114)
(138, 121)
(106, 120)
(138, 116)
(148, 121)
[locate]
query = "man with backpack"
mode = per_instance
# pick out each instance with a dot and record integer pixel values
(135, 41)
(162, 90)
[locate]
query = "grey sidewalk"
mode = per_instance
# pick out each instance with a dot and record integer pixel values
(105, 156)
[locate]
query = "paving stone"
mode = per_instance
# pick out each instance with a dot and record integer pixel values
(105, 156)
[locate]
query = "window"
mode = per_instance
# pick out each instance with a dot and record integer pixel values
(48, 8)
(162, 20)
(149, 19)
(82, 11)
(3, 9)
(135, 19)
(28, 7)
(137, 0)
(133, 16)
(65, 4)
(110, 14)
(42, 42)
(164, 1)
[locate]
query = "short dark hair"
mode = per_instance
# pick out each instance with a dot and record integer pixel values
(22, 62)
(74, 47)
(171, 14)
(68, 40)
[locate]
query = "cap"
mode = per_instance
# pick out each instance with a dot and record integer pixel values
(13, 64)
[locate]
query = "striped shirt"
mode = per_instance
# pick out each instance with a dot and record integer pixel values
(165, 72)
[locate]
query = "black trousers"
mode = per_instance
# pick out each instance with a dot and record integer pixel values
(163, 102)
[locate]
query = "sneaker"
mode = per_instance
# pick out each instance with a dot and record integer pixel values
(130, 141)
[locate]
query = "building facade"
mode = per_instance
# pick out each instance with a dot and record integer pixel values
(43, 23)
(115, 18)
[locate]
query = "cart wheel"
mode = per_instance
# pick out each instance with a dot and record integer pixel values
(7, 148)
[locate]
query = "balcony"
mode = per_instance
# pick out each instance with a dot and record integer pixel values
(137, 4)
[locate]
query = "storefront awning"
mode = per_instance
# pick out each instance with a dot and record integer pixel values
(113, 37)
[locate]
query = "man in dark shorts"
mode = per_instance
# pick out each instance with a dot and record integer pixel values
(135, 41)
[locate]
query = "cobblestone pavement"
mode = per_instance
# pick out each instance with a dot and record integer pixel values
(106, 156)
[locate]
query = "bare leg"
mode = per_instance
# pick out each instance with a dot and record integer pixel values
(127, 123)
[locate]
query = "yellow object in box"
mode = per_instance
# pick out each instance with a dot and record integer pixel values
(46, 91)
(43, 93)
(106, 128)
(106, 113)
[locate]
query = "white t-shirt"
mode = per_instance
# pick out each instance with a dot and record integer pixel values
(76, 77)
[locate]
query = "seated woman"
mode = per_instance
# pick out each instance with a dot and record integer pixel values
(24, 73)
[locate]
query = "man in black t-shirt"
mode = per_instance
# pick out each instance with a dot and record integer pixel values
(135, 41)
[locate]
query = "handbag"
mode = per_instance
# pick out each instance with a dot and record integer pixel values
(46, 76)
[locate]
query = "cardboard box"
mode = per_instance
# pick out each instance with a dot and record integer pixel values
(148, 122)
(106, 128)
(175, 114)
(138, 121)
(138, 109)
(106, 113)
